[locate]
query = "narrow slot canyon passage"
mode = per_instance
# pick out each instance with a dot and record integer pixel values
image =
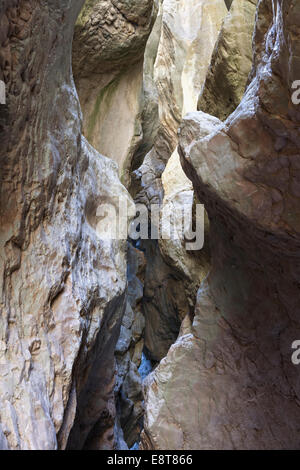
(149, 224)
(125, 99)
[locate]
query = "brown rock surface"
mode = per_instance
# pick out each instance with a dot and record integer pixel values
(229, 382)
(110, 34)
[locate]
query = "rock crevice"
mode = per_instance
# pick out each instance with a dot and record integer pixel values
(111, 344)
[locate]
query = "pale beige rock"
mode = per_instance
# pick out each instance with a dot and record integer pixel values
(188, 35)
(150, 117)
(179, 197)
(62, 287)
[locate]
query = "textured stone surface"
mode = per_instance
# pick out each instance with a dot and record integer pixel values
(174, 273)
(71, 337)
(62, 287)
(129, 351)
(188, 34)
(110, 34)
(109, 41)
(233, 366)
(178, 197)
(231, 62)
(150, 108)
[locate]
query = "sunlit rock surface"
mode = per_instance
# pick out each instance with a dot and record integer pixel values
(229, 382)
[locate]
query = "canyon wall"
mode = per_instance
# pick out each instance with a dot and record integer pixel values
(129, 350)
(62, 286)
(197, 51)
(228, 382)
(78, 308)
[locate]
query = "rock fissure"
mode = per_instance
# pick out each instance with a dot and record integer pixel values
(149, 344)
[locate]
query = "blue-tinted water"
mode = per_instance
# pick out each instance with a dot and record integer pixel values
(135, 446)
(145, 367)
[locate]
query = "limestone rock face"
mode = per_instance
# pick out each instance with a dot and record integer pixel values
(188, 34)
(62, 286)
(231, 62)
(112, 109)
(174, 71)
(109, 42)
(233, 365)
(178, 198)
